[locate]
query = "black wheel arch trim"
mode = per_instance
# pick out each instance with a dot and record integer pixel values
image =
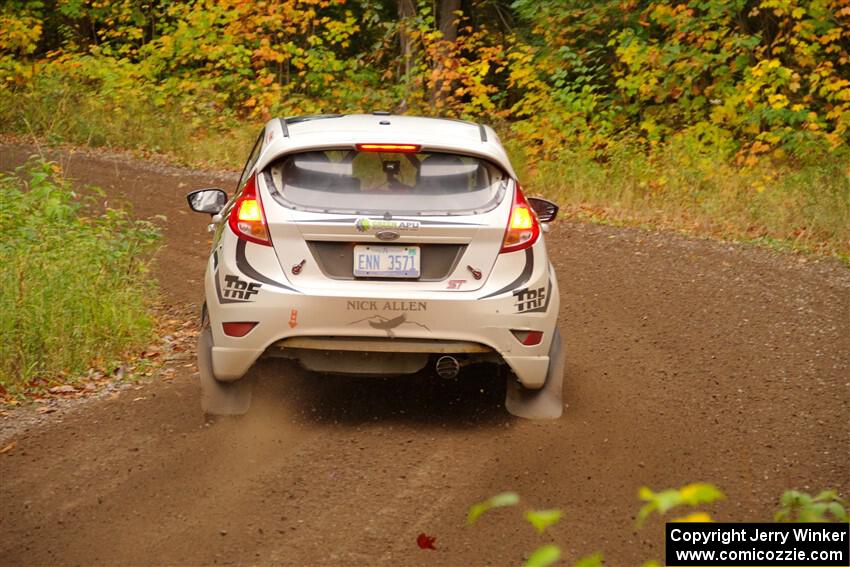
(521, 279)
(246, 268)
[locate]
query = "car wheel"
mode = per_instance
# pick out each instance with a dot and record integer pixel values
(547, 402)
(220, 398)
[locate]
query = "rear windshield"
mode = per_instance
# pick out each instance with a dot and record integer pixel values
(424, 183)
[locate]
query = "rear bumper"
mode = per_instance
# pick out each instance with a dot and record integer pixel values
(481, 324)
(472, 317)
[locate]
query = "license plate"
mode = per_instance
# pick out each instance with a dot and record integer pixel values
(386, 261)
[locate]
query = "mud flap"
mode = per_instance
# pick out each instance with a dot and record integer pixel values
(547, 402)
(220, 398)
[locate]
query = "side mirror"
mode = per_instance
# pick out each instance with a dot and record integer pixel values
(546, 210)
(210, 201)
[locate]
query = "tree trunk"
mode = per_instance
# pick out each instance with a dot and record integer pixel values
(406, 10)
(447, 24)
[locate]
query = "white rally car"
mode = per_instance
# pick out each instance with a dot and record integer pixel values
(379, 244)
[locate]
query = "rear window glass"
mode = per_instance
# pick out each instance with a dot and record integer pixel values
(349, 181)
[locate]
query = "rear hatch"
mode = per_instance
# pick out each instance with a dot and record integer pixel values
(361, 219)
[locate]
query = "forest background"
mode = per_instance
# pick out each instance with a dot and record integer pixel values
(728, 118)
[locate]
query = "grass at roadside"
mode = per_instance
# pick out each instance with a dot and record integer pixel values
(805, 206)
(56, 110)
(685, 186)
(74, 288)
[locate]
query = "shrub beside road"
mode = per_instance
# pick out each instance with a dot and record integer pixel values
(75, 291)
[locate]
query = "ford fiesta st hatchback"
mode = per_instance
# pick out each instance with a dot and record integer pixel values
(379, 245)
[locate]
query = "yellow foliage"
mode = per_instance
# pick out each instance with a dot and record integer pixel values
(694, 517)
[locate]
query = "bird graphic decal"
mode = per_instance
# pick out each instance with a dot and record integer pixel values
(386, 324)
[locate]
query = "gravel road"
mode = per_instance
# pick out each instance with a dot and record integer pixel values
(688, 360)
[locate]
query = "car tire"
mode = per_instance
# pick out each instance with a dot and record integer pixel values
(548, 401)
(217, 397)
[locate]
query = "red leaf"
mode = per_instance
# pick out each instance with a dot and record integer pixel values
(426, 542)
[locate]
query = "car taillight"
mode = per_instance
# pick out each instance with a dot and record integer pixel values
(392, 148)
(247, 219)
(523, 227)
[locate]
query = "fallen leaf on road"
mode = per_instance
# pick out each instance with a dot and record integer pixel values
(139, 398)
(45, 409)
(425, 541)
(9, 447)
(66, 389)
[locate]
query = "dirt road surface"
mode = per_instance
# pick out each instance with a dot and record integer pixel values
(688, 360)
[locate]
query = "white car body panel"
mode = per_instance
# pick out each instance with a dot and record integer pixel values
(246, 281)
(431, 133)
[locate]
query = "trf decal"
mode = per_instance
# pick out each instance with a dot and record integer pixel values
(293, 318)
(530, 299)
(238, 289)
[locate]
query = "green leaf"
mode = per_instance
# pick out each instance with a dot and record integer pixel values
(645, 493)
(498, 501)
(789, 497)
(504, 499)
(690, 495)
(666, 500)
(542, 519)
(827, 496)
(838, 511)
(801, 507)
(594, 560)
(544, 556)
(475, 512)
(700, 493)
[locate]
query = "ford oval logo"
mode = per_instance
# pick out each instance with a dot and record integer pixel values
(387, 235)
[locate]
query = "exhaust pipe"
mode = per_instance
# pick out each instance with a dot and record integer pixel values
(447, 367)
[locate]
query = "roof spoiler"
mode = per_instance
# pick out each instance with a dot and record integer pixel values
(284, 122)
(297, 119)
